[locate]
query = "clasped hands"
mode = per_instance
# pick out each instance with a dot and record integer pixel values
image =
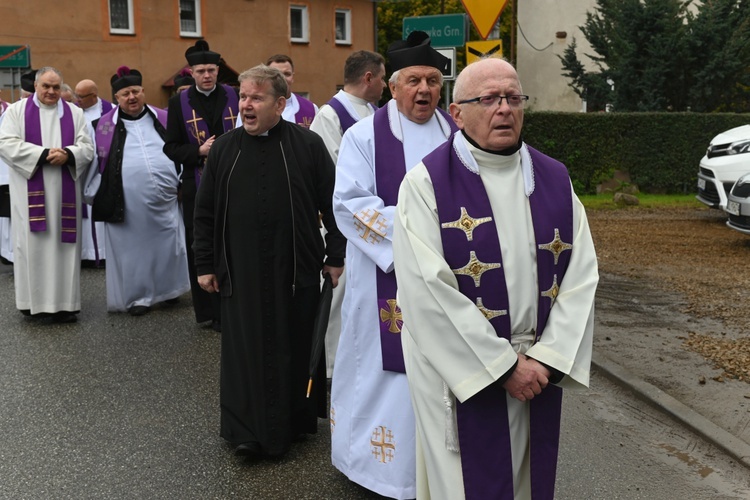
(57, 156)
(528, 379)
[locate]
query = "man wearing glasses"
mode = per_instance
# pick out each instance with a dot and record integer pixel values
(372, 439)
(497, 275)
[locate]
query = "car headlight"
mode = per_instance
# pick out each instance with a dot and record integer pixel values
(744, 179)
(739, 147)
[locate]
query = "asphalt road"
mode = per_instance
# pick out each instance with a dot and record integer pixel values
(116, 406)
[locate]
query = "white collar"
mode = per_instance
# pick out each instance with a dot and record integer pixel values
(461, 146)
(45, 106)
(205, 92)
(394, 122)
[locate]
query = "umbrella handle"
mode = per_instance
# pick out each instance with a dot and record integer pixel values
(309, 387)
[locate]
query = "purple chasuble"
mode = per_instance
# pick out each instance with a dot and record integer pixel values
(35, 185)
(196, 126)
(345, 118)
(390, 169)
(483, 431)
(106, 107)
(306, 112)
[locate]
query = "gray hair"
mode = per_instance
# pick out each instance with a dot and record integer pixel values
(47, 69)
(394, 77)
(261, 74)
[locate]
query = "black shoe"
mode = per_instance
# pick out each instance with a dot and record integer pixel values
(64, 317)
(216, 326)
(138, 310)
(249, 449)
(173, 301)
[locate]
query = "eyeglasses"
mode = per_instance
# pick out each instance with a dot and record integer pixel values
(84, 96)
(488, 101)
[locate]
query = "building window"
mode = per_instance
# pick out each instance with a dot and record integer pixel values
(343, 26)
(299, 30)
(190, 18)
(121, 17)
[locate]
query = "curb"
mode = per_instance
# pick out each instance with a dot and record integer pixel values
(732, 445)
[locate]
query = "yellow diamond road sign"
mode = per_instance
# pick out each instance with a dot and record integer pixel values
(484, 14)
(483, 48)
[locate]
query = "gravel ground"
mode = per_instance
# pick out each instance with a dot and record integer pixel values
(672, 305)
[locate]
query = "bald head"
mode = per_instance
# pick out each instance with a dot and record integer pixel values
(87, 93)
(494, 124)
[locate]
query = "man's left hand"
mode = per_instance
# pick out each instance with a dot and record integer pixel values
(335, 273)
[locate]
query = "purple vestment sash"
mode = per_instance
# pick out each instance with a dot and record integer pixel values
(345, 118)
(35, 185)
(105, 130)
(306, 112)
(106, 107)
(390, 169)
(196, 126)
(484, 436)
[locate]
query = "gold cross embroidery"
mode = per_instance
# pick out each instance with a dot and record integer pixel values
(475, 268)
(466, 223)
(306, 121)
(553, 290)
(198, 134)
(382, 444)
(232, 117)
(556, 246)
(392, 316)
(490, 313)
(371, 225)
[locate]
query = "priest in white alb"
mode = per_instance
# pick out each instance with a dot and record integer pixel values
(46, 145)
(372, 423)
(132, 186)
(497, 275)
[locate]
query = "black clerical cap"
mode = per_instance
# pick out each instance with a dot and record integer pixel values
(27, 81)
(125, 77)
(184, 78)
(199, 54)
(416, 51)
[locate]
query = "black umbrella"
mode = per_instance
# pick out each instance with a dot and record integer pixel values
(321, 325)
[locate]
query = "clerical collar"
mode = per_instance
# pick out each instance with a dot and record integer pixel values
(126, 116)
(503, 152)
(205, 92)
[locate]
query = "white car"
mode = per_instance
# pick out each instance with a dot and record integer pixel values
(738, 205)
(726, 159)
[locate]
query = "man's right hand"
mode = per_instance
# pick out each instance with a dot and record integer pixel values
(208, 282)
(527, 380)
(206, 146)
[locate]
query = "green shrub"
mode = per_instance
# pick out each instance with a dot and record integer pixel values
(660, 151)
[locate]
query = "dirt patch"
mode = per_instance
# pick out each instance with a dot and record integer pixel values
(672, 306)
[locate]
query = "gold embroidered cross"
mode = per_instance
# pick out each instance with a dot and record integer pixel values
(490, 313)
(382, 444)
(232, 117)
(475, 268)
(553, 290)
(466, 223)
(392, 316)
(306, 121)
(198, 134)
(371, 225)
(556, 246)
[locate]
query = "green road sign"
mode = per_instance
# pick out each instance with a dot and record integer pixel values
(15, 56)
(447, 30)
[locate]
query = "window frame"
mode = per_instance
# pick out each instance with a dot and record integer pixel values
(305, 20)
(347, 40)
(198, 25)
(131, 20)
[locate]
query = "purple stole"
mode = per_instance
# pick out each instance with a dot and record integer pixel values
(345, 118)
(306, 112)
(35, 185)
(483, 432)
(390, 169)
(196, 126)
(106, 107)
(104, 133)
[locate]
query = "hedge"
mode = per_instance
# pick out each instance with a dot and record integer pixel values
(660, 151)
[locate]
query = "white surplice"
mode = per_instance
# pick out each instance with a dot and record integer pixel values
(372, 422)
(328, 126)
(446, 339)
(46, 271)
(89, 251)
(146, 255)
(6, 246)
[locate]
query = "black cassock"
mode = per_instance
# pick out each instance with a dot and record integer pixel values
(266, 327)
